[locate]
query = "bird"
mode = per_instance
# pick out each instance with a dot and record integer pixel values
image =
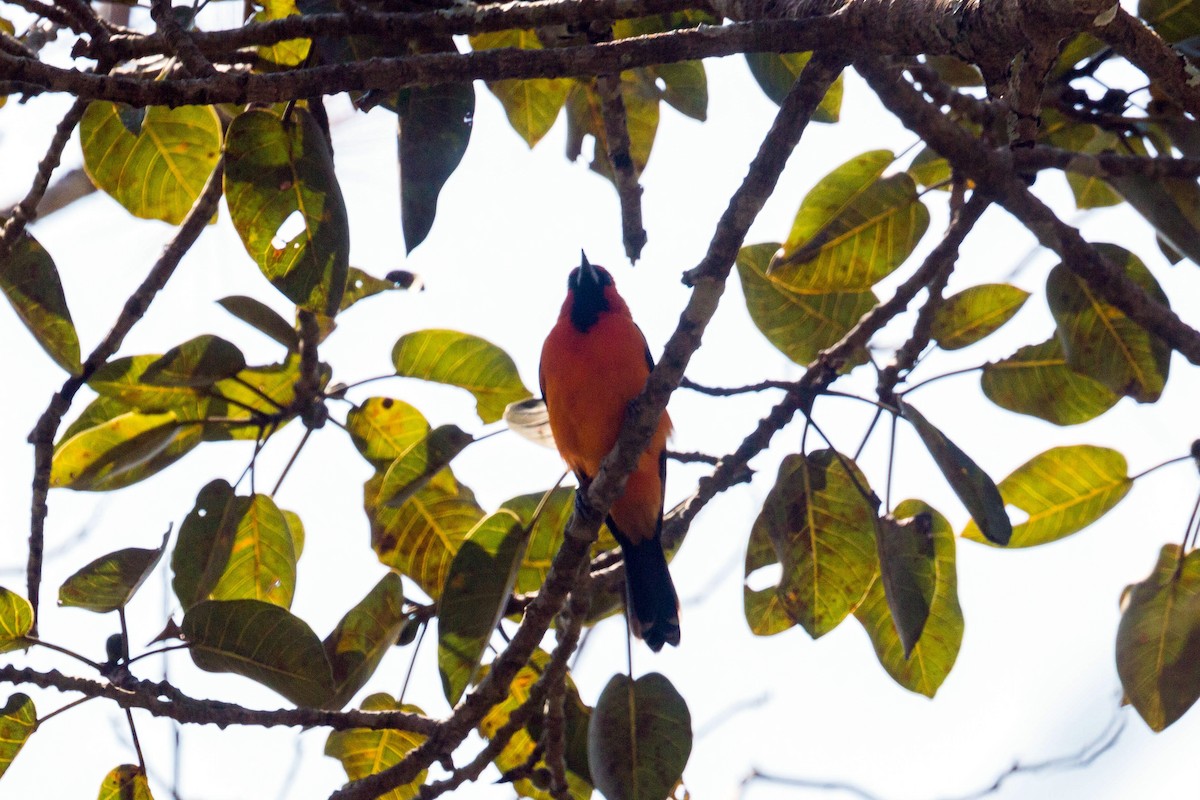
(594, 362)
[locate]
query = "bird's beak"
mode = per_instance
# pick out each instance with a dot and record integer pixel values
(588, 273)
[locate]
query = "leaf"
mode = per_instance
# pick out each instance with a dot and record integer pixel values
(158, 171)
(976, 313)
(972, 485)
(765, 612)
(585, 118)
(364, 752)
(1171, 205)
(126, 782)
(95, 457)
(256, 394)
(289, 53)
(1099, 340)
(822, 529)
(853, 229)
(423, 462)
(776, 72)
(929, 169)
(383, 429)
(474, 597)
(419, 539)
(296, 531)
(30, 282)
(360, 285)
(274, 170)
(639, 738)
(1036, 380)
(532, 106)
(800, 325)
(932, 657)
(206, 542)
(1171, 19)
(907, 573)
(109, 582)
(121, 379)
(263, 642)
(685, 87)
(1158, 640)
(462, 360)
(546, 536)
(435, 127)
(196, 363)
(262, 562)
(16, 620)
(955, 71)
(263, 318)
(363, 636)
(18, 720)
(1063, 490)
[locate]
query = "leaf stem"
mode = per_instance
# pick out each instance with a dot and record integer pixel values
(60, 649)
(1156, 467)
(950, 374)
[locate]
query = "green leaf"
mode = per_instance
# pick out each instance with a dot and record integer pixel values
(932, 657)
(295, 531)
(419, 539)
(1063, 490)
(776, 72)
(158, 171)
(975, 313)
(1158, 640)
(907, 573)
(435, 127)
(16, 620)
(126, 782)
(121, 380)
(532, 106)
(1036, 380)
(1171, 205)
(1173, 20)
(30, 282)
(263, 318)
(1099, 340)
(274, 170)
(930, 169)
(262, 562)
(360, 285)
(685, 87)
(423, 462)
(972, 485)
(383, 429)
(256, 394)
(639, 738)
(800, 325)
(109, 582)
(196, 363)
(955, 71)
(18, 719)
(585, 118)
(822, 529)
(853, 229)
(476, 592)
(546, 536)
(263, 642)
(95, 457)
(289, 53)
(765, 612)
(206, 542)
(1090, 190)
(462, 360)
(363, 636)
(364, 752)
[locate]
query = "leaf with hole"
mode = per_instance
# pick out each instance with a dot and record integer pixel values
(975, 313)
(383, 429)
(933, 655)
(776, 72)
(639, 738)
(799, 325)
(364, 752)
(765, 611)
(1036, 380)
(263, 318)
(126, 782)
(363, 636)
(462, 360)
(29, 280)
(262, 560)
(360, 285)
(197, 363)
(1063, 490)
(532, 105)
(1099, 340)
(820, 519)
(206, 541)
(278, 173)
(1158, 640)
(972, 485)
(158, 169)
(18, 720)
(423, 462)
(109, 582)
(263, 642)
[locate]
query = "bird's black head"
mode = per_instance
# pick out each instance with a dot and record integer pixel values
(586, 287)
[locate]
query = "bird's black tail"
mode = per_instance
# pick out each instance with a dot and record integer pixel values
(653, 604)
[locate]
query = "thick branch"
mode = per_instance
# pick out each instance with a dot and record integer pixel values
(1164, 65)
(1106, 165)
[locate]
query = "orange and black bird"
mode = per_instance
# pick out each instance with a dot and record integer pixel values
(594, 362)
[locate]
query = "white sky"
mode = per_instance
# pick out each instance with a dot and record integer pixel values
(1035, 678)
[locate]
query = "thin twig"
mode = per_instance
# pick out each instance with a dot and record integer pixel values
(25, 211)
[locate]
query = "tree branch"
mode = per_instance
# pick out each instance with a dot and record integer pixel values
(26, 211)
(625, 178)
(1162, 64)
(178, 41)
